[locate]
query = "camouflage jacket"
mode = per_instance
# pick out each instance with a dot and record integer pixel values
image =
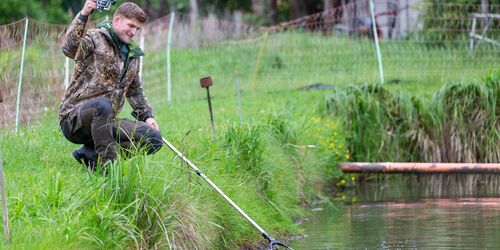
(100, 72)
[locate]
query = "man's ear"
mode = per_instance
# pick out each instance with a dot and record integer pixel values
(116, 19)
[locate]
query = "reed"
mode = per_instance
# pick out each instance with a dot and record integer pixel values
(461, 123)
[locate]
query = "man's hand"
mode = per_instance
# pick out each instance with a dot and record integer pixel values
(152, 123)
(88, 7)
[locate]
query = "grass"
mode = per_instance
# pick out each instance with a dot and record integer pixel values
(459, 124)
(294, 59)
(156, 202)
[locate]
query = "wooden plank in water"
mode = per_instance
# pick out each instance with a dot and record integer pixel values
(418, 167)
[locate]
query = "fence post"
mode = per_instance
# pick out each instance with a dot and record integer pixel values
(66, 72)
(472, 32)
(20, 84)
(141, 62)
(375, 37)
(169, 44)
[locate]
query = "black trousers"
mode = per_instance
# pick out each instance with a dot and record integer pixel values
(92, 125)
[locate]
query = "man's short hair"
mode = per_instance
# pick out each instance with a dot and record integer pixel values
(131, 11)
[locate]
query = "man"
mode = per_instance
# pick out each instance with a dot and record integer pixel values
(105, 73)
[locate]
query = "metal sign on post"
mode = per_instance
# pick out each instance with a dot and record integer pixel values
(206, 82)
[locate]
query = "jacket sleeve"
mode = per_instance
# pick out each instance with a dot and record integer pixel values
(137, 100)
(76, 41)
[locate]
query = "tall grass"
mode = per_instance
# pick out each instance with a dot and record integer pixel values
(378, 122)
(459, 125)
(156, 201)
(467, 123)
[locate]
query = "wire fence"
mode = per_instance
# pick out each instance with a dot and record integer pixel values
(422, 44)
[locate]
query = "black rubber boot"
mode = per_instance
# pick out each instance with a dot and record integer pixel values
(79, 155)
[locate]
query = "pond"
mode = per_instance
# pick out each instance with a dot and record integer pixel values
(387, 222)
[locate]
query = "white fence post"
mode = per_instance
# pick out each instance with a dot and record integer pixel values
(66, 72)
(375, 37)
(20, 84)
(141, 62)
(169, 44)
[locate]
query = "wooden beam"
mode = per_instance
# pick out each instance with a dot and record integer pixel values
(418, 167)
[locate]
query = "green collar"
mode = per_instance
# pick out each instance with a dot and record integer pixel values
(135, 50)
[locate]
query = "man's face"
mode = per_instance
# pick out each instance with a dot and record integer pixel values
(125, 28)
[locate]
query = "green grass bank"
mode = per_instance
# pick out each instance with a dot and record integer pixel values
(155, 201)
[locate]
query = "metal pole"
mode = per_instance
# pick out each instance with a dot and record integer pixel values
(210, 109)
(142, 59)
(375, 36)
(66, 73)
(5, 212)
(169, 44)
(472, 33)
(19, 86)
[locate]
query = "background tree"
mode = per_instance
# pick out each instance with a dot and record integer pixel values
(50, 11)
(259, 12)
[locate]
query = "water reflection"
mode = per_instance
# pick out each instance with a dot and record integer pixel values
(462, 223)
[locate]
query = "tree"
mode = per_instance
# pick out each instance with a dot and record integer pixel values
(47, 11)
(274, 12)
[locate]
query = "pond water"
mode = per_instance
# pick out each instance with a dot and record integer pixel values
(413, 222)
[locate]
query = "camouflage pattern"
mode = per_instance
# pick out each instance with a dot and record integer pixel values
(100, 72)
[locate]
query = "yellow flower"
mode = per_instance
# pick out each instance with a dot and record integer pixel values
(337, 153)
(316, 119)
(343, 197)
(341, 145)
(353, 178)
(347, 156)
(342, 182)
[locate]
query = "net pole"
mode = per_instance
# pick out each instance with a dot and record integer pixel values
(472, 33)
(375, 36)
(169, 45)
(141, 62)
(66, 72)
(20, 84)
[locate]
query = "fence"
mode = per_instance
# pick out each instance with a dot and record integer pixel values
(422, 43)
